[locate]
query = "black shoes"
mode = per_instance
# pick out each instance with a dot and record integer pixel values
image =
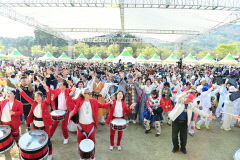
(183, 150)
(174, 150)
(147, 131)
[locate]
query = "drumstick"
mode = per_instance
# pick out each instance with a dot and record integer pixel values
(226, 113)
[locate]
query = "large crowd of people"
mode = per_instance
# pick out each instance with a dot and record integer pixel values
(182, 96)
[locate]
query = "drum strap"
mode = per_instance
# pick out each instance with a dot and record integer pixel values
(84, 133)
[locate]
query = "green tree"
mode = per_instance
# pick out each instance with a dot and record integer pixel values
(52, 49)
(164, 53)
(130, 50)
(1, 46)
(223, 49)
(149, 51)
(81, 48)
(36, 51)
(113, 49)
(201, 54)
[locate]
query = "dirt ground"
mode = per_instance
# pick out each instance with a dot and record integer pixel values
(213, 144)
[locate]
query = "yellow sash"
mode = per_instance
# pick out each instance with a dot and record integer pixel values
(175, 87)
(179, 84)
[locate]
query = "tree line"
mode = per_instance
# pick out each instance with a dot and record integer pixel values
(43, 42)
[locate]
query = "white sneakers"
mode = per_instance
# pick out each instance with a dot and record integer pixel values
(49, 157)
(65, 141)
(134, 122)
(111, 148)
(119, 148)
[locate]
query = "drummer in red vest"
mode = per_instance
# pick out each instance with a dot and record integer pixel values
(85, 114)
(10, 111)
(39, 114)
(118, 110)
(59, 102)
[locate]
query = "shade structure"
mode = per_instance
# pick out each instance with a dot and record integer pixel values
(171, 59)
(64, 57)
(47, 57)
(125, 56)
(228, 60)
(140, 59)
(189, 59)
(208, 59)
(2, 55)
(81, 58)
(96, 58)
(17, 55)
(110, 58)
(155, 59)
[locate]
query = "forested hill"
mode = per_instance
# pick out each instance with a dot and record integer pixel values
(225, 35)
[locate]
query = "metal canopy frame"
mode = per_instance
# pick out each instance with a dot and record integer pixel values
(12, 14)
(170, 4)
(230, 5)
(143, 31)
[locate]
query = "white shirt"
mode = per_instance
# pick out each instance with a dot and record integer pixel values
(37, 112)
(6, 117)
(62, 102)
(85, 113)
(118, 112)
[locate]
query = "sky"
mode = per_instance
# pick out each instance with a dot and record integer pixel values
(13, 29)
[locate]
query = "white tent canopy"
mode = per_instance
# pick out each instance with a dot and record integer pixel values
(166, 25)
(125, 57)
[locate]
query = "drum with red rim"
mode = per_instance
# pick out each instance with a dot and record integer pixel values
(34, 145)
(58, 115)
(237, 155)
(119, 124)
(86, 148)
(6, 138)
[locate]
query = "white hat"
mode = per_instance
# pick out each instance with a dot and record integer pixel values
(232, 89)
(174, 78)
(179, 76)
(211, 76)
(193, 77)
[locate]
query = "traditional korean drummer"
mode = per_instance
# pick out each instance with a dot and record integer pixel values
(118, 110)
(59, 102)
(10, 111)
(85, 114)
(39, 114)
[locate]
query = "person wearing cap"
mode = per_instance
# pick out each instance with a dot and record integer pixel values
(181, 117)
(10, 111)
(193, 82)
(132, 92)
(205, 100)
(229, 108)
(159, 83)
(223, 92)
(166, 102)
(175, 88)
(153, 113)
(27, 87)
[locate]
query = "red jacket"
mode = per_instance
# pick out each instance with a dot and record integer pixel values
(78, 104)
(126, 110)
(17, 108)
(55, 96)
(46, 116)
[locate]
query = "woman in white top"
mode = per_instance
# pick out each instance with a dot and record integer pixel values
(10, 111)
(39, 114)
(118, 110)
(147, 89)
